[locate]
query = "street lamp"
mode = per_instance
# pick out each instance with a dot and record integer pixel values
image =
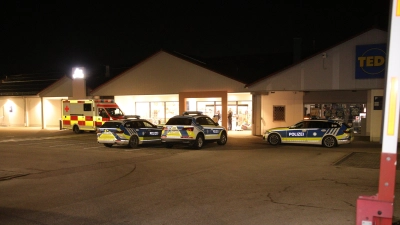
(78, 73)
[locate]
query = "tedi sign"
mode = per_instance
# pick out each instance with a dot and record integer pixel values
(370, 61)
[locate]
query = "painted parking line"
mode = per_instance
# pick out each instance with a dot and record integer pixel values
(62, 145)
(35, 138)
(93, 147)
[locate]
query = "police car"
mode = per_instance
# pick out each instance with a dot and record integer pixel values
(194, 129)
(328, 133)
(130, 132)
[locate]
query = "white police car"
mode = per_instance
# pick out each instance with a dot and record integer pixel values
(130, 132)
(192, 128)
(328, 133)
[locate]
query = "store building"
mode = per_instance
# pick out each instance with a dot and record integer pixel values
(345, 82)
(165, 85)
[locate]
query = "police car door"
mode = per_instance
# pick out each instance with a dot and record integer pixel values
(146, 131)
(315, 131)
(297, 133)
(152, 133)
(211, 131)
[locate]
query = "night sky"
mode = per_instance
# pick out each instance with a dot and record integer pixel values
(39, 37)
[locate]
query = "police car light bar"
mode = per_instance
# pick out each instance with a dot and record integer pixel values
(192, 113)
(132, 117)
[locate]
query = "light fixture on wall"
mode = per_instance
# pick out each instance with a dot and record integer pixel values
(78, 73)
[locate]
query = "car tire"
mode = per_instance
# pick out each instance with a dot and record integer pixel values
(108, 145)
(223, 139)
(76, 130)
(169, 145)
(133, 142)
(198, 143)
(329, 141)
(274, 139)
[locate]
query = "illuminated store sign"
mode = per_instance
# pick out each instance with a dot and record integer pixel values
(370, 61)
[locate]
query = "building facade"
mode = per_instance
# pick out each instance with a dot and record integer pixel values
(344, 82)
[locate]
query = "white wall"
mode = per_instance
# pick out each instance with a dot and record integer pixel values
(52, 114)
(27, 112)
(294, 107)
(3, 113)
(34, 118)
(13, 111)
(167, 74)
(335, 72)
(127, 103)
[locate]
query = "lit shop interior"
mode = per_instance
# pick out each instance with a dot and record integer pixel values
(158, 109)
(352, 114)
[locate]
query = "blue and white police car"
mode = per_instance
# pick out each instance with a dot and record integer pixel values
(328, 133)
(194, 129)
(129, 132)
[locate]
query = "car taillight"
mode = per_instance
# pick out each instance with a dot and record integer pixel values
(347, 131)
(119, 131)
(188, 128)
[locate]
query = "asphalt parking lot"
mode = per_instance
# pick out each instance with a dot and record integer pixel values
(58, 177)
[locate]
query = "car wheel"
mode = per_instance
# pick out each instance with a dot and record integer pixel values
(274, 139)
(108, 145)
(169, 145)
(329, 141)
(199, 142)
(133, 142)
(76, 129)
(223, 139)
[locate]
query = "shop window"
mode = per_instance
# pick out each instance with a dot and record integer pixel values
(279, 113)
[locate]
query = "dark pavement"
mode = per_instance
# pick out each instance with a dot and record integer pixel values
(58, 177)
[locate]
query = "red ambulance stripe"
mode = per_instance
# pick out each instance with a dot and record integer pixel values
(66, 122)
(104, 100)
(81, 101)
(88, 118)
(74, 117)
(98, 124)
(81, 123)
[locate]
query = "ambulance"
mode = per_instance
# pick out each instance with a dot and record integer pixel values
(88, 114)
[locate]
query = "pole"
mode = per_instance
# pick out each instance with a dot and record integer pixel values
(378, 209)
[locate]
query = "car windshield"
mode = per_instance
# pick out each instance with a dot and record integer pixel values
(297, 125)
(179, 121)
(111, 124)
(114, 111)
